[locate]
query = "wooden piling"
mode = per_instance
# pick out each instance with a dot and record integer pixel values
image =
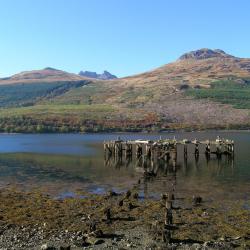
(207, 149)
(164, 150)
(185, 151)
(168, 220)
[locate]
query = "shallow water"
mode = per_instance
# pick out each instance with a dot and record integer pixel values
(62, 164)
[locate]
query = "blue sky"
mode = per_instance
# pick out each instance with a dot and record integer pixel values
(124, 37)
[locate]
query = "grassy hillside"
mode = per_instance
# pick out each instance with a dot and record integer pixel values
(22, 94)
(227, 92)
(71, 118)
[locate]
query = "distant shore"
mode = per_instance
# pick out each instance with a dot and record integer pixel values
(135, 132)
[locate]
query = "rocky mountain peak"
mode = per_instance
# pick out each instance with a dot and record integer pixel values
(204, 54)
(104, 76)
(50, 68)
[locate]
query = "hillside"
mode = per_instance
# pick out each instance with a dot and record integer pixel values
(202, 89)
(26, 88)
(44, 75)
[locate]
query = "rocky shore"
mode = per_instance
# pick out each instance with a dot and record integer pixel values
(119, 221)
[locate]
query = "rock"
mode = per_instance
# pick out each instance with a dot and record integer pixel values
(128, 194)
(237, 238)
(204, 214)
(107, 76)
(196, 246)
(131, 206)
(94, 241)
(47, 247)
(120, 203)
(204, 54)
(98, 233)
(104, 76)
(197, 200)
(111, 194)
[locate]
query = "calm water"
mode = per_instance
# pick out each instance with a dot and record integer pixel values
(62, 164)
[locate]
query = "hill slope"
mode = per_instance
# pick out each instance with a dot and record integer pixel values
(202, 89)
(26, 88)
(44, 75)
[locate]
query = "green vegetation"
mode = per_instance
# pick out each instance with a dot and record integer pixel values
(94, 93)
(53, 118)
(230, 92)
(46, 118)
(26, 94)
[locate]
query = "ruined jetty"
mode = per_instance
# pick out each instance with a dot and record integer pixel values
(166, 149)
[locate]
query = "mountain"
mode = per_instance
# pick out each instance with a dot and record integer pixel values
(202, 89)
(199, 67)
(104, 76)
(44, 75)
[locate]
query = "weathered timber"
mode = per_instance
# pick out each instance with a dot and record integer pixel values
(166, 149)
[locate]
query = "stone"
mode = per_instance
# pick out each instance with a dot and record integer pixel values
(197, 200)
(94, 241)
(111, 194)
(128, 194)
(47, 247)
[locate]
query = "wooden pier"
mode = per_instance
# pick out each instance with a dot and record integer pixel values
(166, 149)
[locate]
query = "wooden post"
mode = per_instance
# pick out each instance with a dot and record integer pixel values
(207, 149)
(144, 161)
(107, 213)
(218, 150)
(174, 156)
(128, 150)
(148, 151)
(185, 151)
(196, 151)
(232, 148)
(168, 221)
(228, 149)
(164, 149)
(168, 214)
(138, 150)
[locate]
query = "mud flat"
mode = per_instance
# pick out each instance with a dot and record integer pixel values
(119, 221)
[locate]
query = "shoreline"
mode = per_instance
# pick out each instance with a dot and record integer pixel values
(132, 132)
(32, 220)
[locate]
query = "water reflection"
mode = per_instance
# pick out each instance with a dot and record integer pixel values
(222, 178)
(161, 174)
(154, 167)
